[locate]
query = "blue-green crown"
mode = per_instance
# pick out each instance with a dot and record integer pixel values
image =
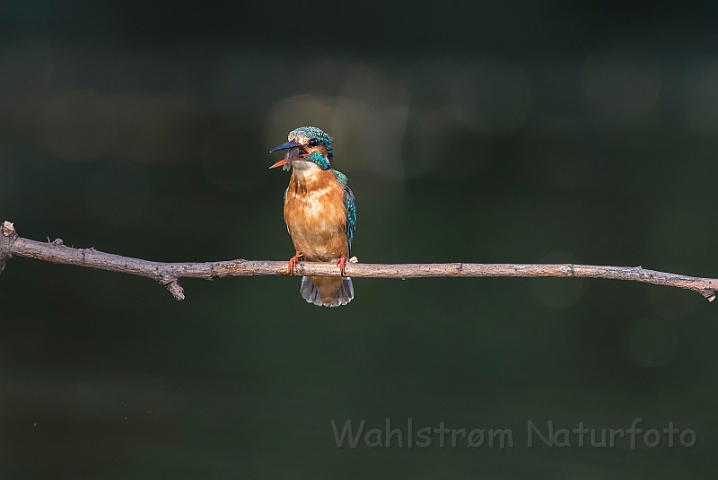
(312, 137)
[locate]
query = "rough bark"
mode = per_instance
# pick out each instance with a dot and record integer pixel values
(168, 274)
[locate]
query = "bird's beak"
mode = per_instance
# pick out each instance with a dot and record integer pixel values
(279, 163)
(285, 146)
(296, 150)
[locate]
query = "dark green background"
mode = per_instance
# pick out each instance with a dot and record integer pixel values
(477, 132)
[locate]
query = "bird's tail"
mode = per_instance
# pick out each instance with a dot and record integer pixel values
(332, 292)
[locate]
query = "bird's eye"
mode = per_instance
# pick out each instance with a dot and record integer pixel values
(313, 142)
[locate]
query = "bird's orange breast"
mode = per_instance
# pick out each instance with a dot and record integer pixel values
(316, 216)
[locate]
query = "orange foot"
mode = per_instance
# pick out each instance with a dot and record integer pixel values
(342, 262)
(293, 262)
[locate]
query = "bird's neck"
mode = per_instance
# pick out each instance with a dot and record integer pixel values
(307, 176)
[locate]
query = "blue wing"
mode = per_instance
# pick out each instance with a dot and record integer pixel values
(350, 206)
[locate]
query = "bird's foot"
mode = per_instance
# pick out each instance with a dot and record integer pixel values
(342, 262)
(293, 262)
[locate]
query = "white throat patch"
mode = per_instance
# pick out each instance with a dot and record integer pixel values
(307, 168)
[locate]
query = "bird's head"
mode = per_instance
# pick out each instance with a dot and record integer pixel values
(306, 145)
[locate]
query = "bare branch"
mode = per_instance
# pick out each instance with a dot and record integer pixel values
(168, 274)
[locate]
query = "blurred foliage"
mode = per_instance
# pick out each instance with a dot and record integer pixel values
(477, 131)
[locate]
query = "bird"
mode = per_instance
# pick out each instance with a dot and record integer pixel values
(320, 213)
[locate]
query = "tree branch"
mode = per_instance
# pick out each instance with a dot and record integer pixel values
(168, 274)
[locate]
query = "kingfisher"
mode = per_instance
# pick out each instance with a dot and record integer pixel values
(320, 213)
